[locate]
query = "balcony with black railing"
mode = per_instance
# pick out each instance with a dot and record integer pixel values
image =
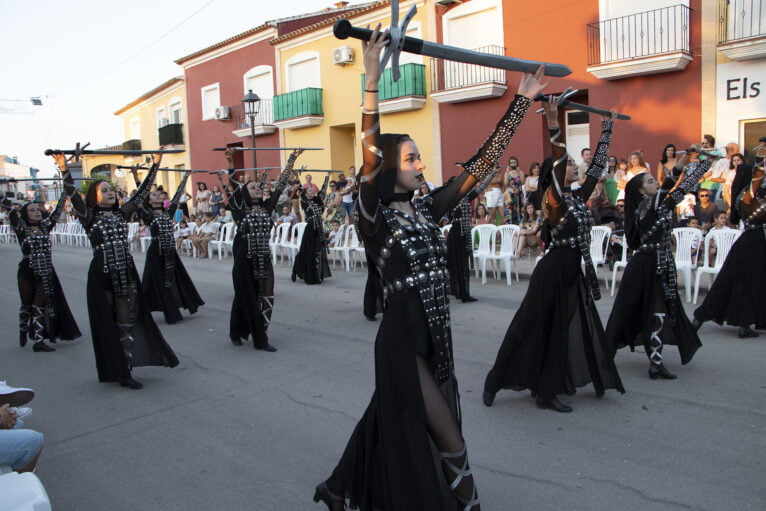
(263, 122)
(742, 28)
(456, 82)
(643, 43)
(171, 134)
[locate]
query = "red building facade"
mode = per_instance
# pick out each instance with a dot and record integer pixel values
(218, 77)
(643, 82)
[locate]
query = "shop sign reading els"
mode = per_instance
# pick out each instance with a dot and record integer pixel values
(739, 88)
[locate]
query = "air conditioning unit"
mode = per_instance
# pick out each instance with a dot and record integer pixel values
(222, 113)
(343, 55)
(164, 121)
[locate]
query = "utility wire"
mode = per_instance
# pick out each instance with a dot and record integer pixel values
(123, 62)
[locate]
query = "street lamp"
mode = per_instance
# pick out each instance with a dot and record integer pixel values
(251, 101)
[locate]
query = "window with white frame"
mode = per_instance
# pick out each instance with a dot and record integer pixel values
(135, 128)
(260, 80)
(175, 116)
(211, 99)
(162, 119)
(476, 25)
(302, 71)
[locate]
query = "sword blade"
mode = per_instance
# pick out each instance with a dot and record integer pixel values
(586, 108)
(443, 51)
(268, 148)
(343, 30)
(124, 152)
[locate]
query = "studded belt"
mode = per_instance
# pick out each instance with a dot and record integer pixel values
(438, 276)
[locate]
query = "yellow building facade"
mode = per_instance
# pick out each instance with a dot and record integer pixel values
(156, 118)
(159, 118)
(319, 80)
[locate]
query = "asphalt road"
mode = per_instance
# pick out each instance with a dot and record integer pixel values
(232, 428)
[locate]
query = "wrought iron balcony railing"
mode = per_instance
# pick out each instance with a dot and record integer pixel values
(172, 134)
(643, 34)
(264, 117)
(741, 19)
(446, 74)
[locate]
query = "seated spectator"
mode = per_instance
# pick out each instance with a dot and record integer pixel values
(143, 232)
(705, 210)
(617, 224)
(721, 222)
(334, 236)
(204, 234)
(481, 217)
(287, 216)
(19, 448)
(224, 216)
(694, 223)
(424, 190)
(182, 234)
(530, 229)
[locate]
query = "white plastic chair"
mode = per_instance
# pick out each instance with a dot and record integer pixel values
(23, 492)
(599, 243)
(686, 238)
(336, 252)
(5, 233)
(724, 240)
(146, 241)
(281, 239)
(485, 243)
(509, 237)
(223, 233)
(296, 237)
(622, 263)
(350, 246)
(228, 243)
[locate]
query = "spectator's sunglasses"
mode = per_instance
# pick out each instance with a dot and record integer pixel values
(704, 195)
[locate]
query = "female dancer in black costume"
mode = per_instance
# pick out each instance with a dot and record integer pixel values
(738, 293)
(555, 342)
(252, 272)
(311, 261)
(123, 330)
(388, 463)
(648, 310)
(460, 243)
(44, 312)
(167, 286)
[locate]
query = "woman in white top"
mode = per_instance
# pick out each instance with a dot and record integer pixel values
(203, 198)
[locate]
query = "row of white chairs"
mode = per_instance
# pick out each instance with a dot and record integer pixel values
(285, 241)
(689, 244)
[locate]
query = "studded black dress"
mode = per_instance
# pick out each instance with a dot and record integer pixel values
(555, 342)
(44, 312)
(252, 272)
(460, 244)
(122, 328)
(311, 261)
(647, 310)
(738, 293)
(388, 463)
(167, 286)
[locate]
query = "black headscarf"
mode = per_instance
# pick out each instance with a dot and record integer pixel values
(742, 180)
(92, 198)
(25, 214)
(633, 198)
(389, 146)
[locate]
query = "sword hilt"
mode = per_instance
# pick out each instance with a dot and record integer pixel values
(343, 29)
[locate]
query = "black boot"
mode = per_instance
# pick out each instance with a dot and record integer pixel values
(38, 331)
(745, 332)
(333, 502)
(131, 384)
(40, 346)
(554, 404)
(488, 398)
(660, 371)
(696, 324)
(25, 317)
